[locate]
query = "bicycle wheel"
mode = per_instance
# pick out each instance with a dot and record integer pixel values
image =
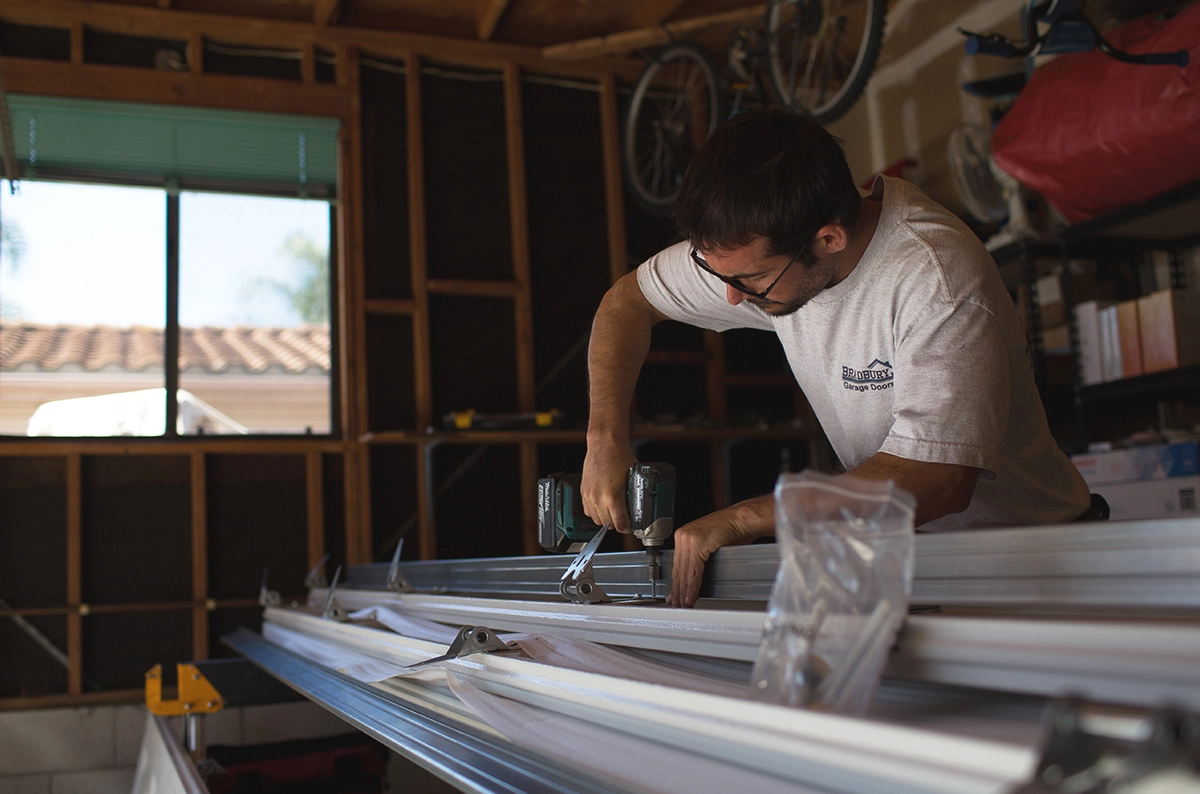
(676, 104)
(821, 52)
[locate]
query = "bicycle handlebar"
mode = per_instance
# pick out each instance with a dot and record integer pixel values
(1004, 47)
(1179, 59)
(988, 45)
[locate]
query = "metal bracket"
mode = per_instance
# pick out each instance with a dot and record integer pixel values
(1080, 758)
(316, 577)
(471, 639)
(332, 610)
(268, 598)
(578, 583)
(395, 580)
(196, 694)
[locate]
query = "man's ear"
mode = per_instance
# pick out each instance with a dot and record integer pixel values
(831, 239)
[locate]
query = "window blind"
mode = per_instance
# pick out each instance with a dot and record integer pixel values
(197, 147)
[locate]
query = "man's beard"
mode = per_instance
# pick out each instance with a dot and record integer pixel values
(781, 308)
(809, 261)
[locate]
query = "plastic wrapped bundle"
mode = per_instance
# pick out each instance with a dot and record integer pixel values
(841, 593)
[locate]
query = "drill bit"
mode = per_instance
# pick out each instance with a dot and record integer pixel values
(655, 571)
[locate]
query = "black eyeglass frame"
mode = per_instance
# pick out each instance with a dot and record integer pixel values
(738, 285)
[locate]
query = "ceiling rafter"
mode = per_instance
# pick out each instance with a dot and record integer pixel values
(489, 17)
(654, 12)
(628, 40)
(326, 12)
(178, 23)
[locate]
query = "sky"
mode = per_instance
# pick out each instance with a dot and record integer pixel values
(96, 254)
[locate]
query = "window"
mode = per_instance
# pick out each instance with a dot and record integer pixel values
(82, 310)
(166, 270)
(254, 309)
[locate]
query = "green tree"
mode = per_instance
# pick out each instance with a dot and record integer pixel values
(309, 293)
(12, 250)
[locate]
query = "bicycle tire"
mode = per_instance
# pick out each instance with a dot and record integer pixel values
(795, 34)
(665, 126)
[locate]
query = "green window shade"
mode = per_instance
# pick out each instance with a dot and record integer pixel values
(196, 146)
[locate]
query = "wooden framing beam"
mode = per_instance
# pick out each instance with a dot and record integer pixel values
(133, 84)
(156, 22)
(326, 12)
(350, 475)
(308, 63)
(519, 224)
(314, 493)
(400, 306)
(363, 500)
(75, 574)
(654, 12)
(26, 449)
(714, 373)
(489, 17)
(614, 192)
(472, 288)
(422, 369)
(77, 34)
(426, 529)
(652, 36)
(199, 481)
(518, 202)
(195, 53)
(85, 699)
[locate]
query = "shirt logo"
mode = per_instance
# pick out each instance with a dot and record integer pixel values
(877, 376)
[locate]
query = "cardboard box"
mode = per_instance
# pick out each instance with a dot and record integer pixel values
(1110, 344)
(1091, 359)
(1131, 338)
(1057, 340)
(1050, 301)
(1141, 499)
(1084, 287)
(1154, 462)
(1169, 325)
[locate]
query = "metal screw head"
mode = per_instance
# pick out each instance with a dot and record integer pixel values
(187, 706)
(481, 637)
(212, 704)
(585, 588)
(195, 676)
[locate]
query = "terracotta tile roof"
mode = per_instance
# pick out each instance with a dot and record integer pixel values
(48, 348)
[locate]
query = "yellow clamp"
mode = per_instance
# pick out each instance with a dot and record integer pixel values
(462, 419)
(196, 694)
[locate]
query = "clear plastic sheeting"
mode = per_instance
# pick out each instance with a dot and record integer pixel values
(841, 593)
(700, 740)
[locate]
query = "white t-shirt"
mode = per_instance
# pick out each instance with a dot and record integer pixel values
(917, 353)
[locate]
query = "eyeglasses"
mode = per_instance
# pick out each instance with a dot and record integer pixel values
(738, 285)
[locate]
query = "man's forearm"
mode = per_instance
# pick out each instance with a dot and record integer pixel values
(618, 347)
(940, 489)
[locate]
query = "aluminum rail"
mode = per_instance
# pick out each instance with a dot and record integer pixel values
(1132, 565)
(1123, 662)
(815, 750)
(466, 757)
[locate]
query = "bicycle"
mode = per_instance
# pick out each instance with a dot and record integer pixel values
(817, 54)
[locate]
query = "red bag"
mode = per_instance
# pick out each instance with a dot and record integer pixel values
(1092, 134)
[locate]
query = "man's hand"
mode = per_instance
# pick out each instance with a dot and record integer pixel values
(695, 543)
(605, 478)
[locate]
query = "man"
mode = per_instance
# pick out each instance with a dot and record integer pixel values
(894, 319)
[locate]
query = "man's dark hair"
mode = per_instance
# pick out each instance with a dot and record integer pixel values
(766, 173)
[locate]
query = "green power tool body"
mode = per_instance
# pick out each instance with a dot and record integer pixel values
(650, 497)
